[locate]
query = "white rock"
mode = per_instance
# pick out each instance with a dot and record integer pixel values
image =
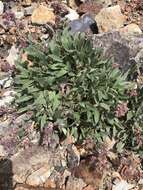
(2, 151)
(122, 185)
(7, 82)
(7, 98)
(6, 101)
(1, 7)
(19, 14)
(72, 15)
(13, 55)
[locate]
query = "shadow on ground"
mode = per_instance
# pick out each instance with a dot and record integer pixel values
(6, 174)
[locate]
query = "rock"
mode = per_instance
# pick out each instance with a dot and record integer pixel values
(90, 8)
(21, 188)
(122, 49)
(36, 166)
(73, 3)
(73, 156)
(107, 3)
(8, 82)
(139, 57)
(44, 37)
(27, 163)
(2, 30)
(4, 127)
(26, 2)
(89, 187)
(19, 14)
(13, 56)
(39, 177)
(7, 99)
(28, 10)
(131, 29)
(50, 184)
(84, 24)
(2, 152)
(42, 15)
(72, 15)
(110, 18)
(75, 184)
(39, 167)
(123, 185)
(57, 180)
(3, 81)
(1, 7)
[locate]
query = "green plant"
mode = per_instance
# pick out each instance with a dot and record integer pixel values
(134, 118)
(71, 86)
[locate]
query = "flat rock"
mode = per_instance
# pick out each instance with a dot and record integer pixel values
(131, 29)
(123, 49)
(13, 56)
(75, 184)
(42, 15)
(110, 18)
(26, 165)
(39, 167)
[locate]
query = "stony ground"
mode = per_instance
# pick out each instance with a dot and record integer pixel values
(24, 165)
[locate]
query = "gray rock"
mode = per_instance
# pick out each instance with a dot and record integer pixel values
(4, 127)
(122, 49)
(7, 99)
(28, 11)
(75, 184)
(83, 24)
(139, 57)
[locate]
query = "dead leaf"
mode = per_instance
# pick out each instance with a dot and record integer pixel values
(109, 143)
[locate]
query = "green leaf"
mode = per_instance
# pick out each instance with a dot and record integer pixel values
(43, 121)
(96, 115)
(120, 147)
(24, 99)
(55, 58)
(64, 130)
(105, 106)
(22, 110)
(61, 73)
(129, 115)
(40, 100)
